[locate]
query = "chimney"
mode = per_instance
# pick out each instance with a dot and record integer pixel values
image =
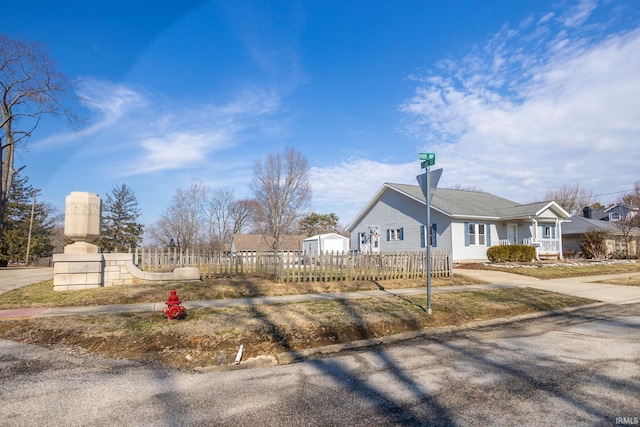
(586, 212)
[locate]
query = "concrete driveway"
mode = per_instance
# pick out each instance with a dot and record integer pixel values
(16, 277)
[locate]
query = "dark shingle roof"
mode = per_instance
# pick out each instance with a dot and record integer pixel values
(471, 203)
(580, 225)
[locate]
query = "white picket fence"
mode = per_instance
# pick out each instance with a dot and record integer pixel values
(297, 267)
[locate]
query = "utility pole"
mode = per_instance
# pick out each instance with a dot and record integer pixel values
(33, 208)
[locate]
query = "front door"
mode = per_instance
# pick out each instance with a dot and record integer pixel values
(375, 243)
(512, 234)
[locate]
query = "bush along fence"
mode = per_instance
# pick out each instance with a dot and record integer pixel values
(298, 267)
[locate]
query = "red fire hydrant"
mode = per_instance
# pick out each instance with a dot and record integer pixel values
(174, 310)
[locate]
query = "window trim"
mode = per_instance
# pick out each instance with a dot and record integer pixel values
(473, 237)
(434, 236)
(395, 234)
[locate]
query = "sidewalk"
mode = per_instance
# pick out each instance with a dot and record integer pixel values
(575, 286)
(583, 287)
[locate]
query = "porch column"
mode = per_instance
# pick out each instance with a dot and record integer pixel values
(535, 237)
(559, 228)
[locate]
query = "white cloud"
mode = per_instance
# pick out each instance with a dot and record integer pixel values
(346, 187)
(110, 102)
(138, 132)
(517, 120)
(186, 138)
(579, 13)
(550, 103)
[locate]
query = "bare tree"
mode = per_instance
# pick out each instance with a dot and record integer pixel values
(182, 223)
(629, 225)
(218, 210)
(571, 199)
(30, 88)
(243, 214)
(594, 244)
(633, 197)
(281, 188)
(464, 188)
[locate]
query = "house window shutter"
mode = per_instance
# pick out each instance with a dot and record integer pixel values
(388, 234)
(422, 236)
(434, 236)
(488, 231)
(401, 234)
(466, 234)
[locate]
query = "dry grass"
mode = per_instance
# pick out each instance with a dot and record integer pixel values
(212, 337)
(567, 269)
(42, 294)
(625, 281)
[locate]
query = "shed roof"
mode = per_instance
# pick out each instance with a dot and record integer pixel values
(326, 236)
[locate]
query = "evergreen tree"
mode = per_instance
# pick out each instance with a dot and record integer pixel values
(316, 223)
(17, 218)
(120, 229)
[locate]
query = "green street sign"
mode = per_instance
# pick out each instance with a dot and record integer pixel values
(431, 157)
(428, 159)
(426, 163)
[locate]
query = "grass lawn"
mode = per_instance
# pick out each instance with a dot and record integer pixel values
(625, 281)
(212, 336)
(568, 269)
(42, 294)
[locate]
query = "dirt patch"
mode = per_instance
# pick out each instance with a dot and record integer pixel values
(212, 337)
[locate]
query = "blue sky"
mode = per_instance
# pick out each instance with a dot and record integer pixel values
(514, 97)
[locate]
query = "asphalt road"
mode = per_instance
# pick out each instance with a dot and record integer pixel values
(14, 278)
(581, 368)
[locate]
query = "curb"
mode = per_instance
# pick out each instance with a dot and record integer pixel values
(287, 358)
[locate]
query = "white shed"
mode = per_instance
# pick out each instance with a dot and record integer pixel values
(330, 242)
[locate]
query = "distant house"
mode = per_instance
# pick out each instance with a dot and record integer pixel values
(259, 243)
(464, 222)
(330, 242)
(615, 212)
(574, 230)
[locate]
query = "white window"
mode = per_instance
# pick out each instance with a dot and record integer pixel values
(548, 231)
(395, 234)
(476, 234)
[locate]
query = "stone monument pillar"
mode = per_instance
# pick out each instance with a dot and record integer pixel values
(82, 222)
(81, 265)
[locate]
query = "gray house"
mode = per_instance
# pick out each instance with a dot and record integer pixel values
(573, 233)
(464, 222)
(615, 212)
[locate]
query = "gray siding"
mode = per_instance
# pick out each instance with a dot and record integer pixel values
(395, 211)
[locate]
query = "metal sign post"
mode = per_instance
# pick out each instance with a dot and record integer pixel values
(428, 244)
(428, 182)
